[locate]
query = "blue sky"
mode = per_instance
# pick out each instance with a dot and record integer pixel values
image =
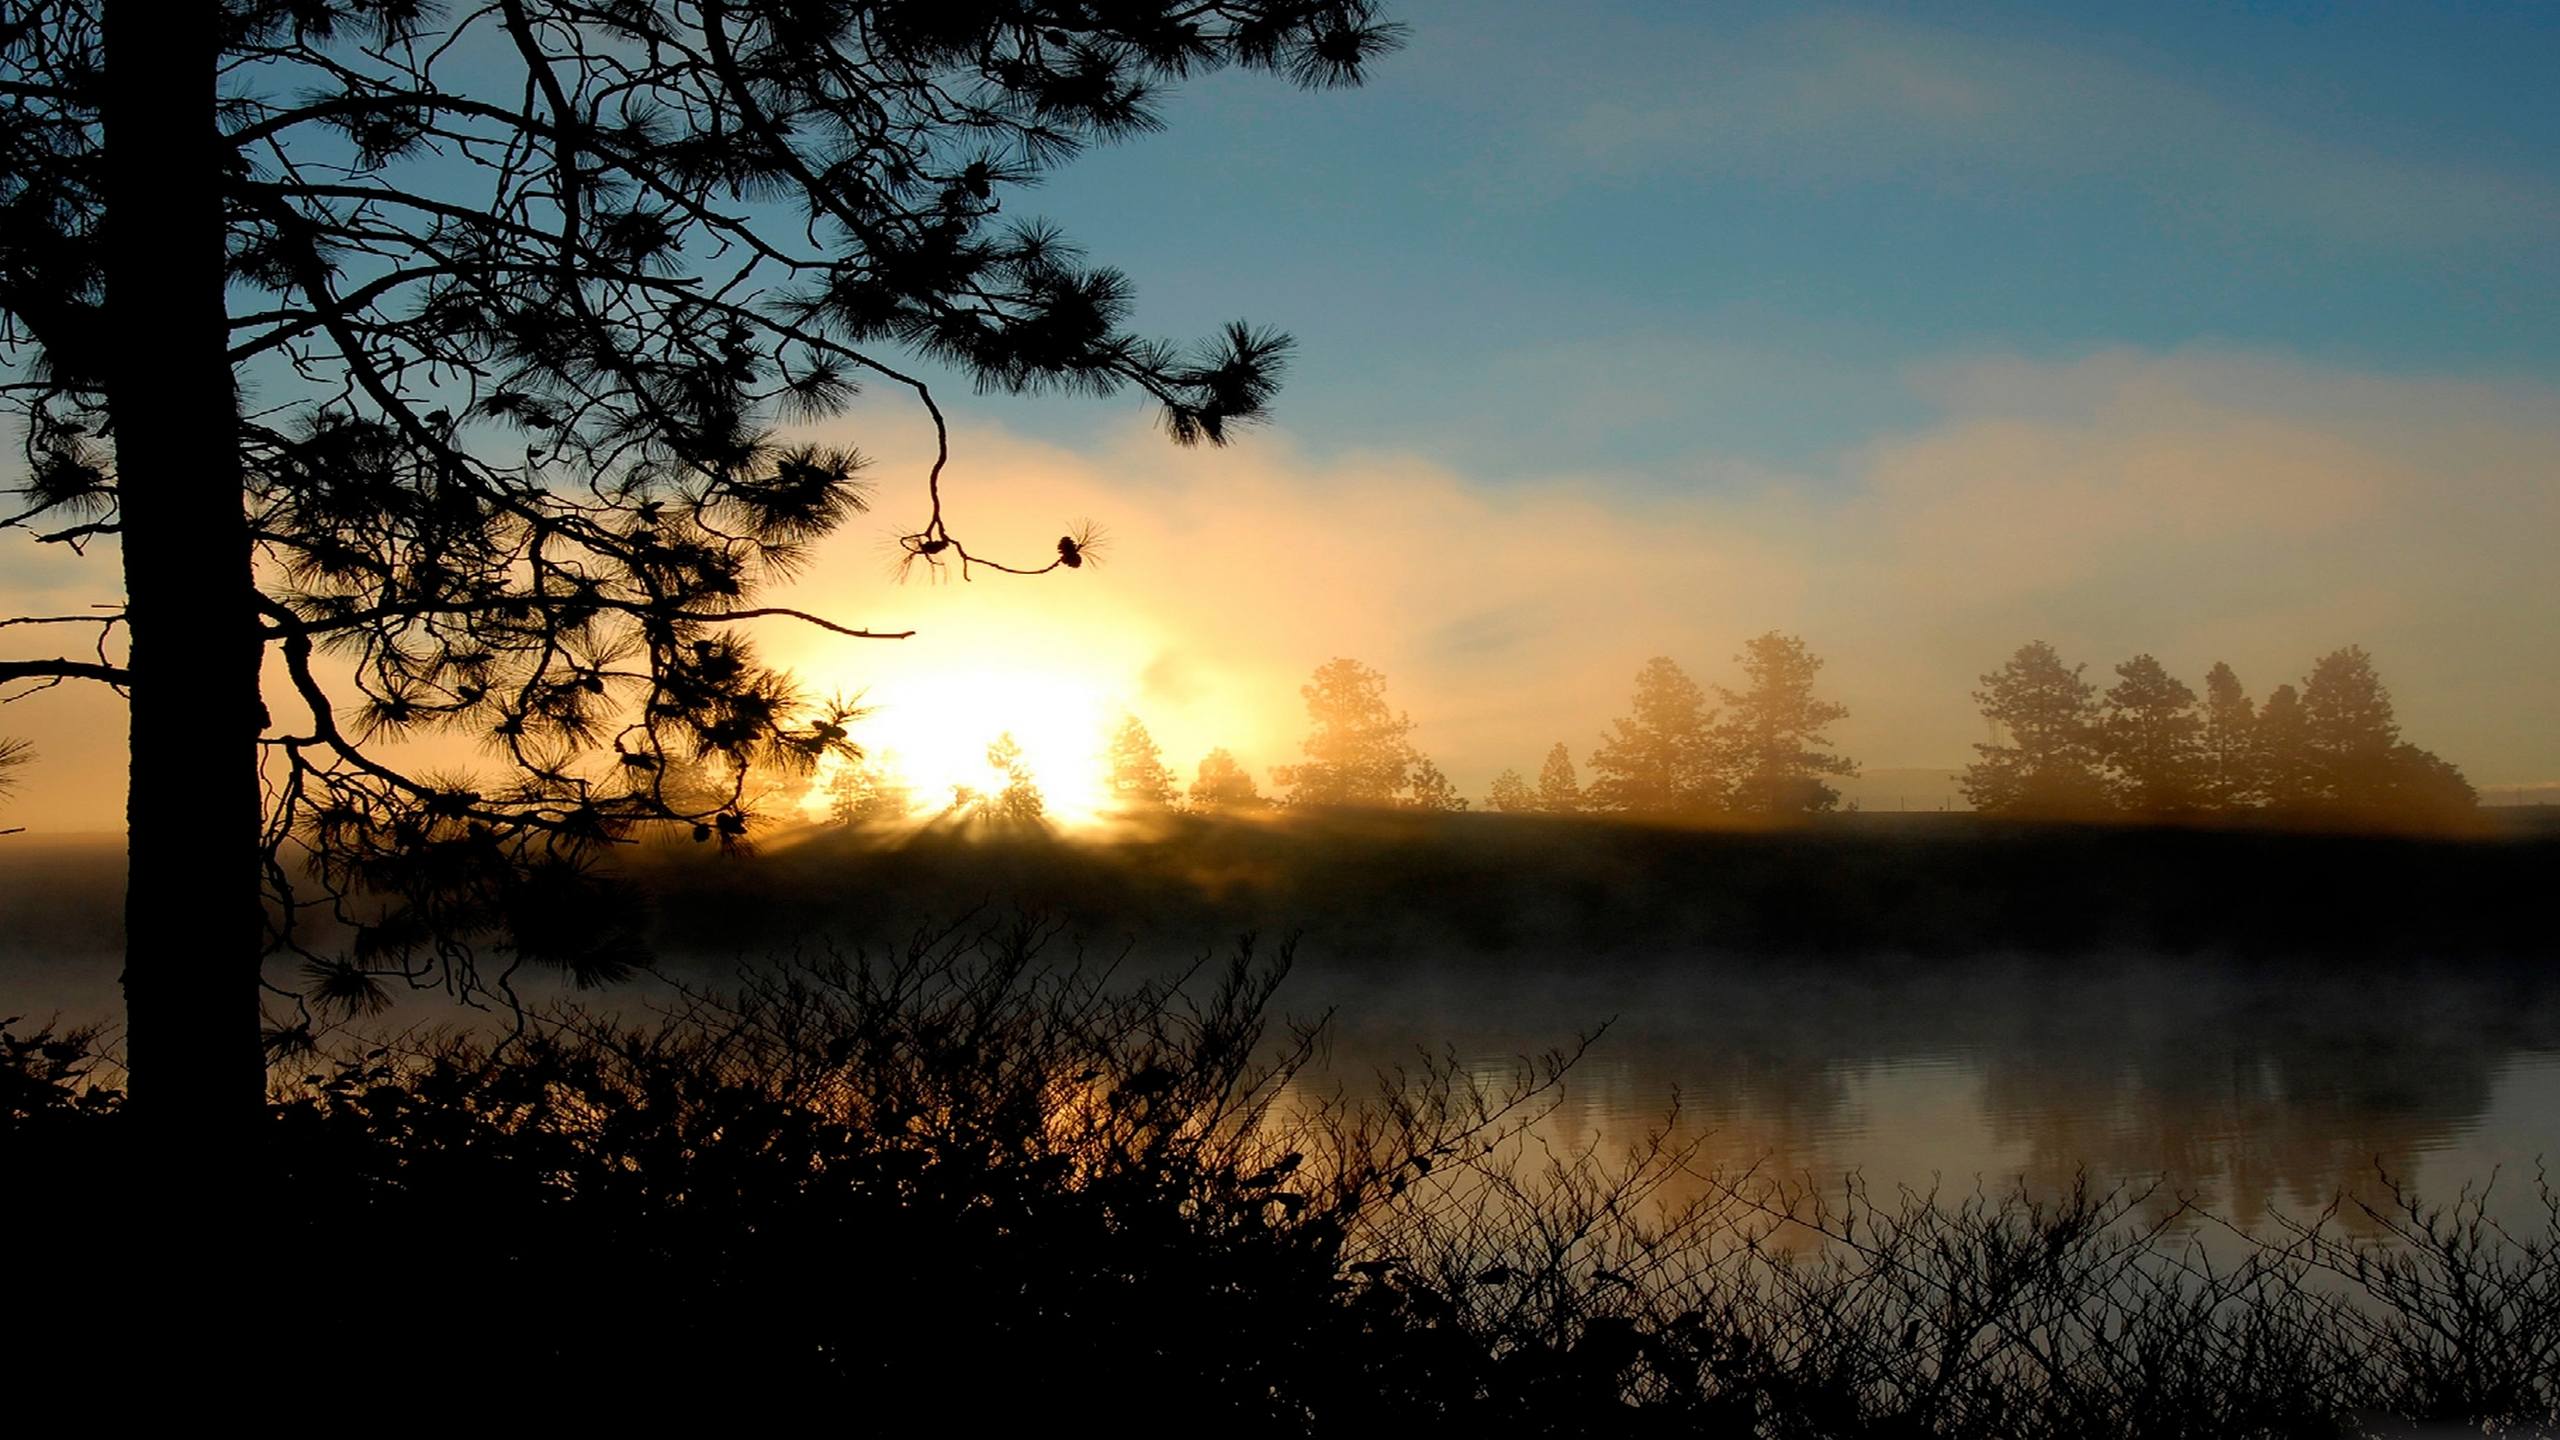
(1604, 237)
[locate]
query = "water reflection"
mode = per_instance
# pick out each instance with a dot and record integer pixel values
(2247, 1087)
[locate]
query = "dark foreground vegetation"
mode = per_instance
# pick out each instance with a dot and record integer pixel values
(963, 1182)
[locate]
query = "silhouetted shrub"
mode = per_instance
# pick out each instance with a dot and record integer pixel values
(964, 1182)
(960, 1173)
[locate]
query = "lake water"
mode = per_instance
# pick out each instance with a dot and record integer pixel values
(2252, 1086)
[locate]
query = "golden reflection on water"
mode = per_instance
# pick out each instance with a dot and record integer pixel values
(2247, 1097)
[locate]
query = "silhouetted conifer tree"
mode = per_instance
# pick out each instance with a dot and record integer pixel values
(1015, 802)
(2288, 777)
(1770, 741)
(2349, 728)
(1660, 760)
(1428, 789)
(2424, 785)
(2229, 740)
(1357, 748)
(2045, 759)
(2153, 739)
(868, 790)
(1559, 793)
(1139, 779)
(2357, 761)
(522, 292)
(1223, 784)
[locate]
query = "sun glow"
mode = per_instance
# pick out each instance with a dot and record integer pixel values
(933, 731)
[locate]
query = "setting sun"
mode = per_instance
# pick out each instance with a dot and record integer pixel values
(932, 733)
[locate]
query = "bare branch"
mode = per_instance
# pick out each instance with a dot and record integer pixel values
(63, 669)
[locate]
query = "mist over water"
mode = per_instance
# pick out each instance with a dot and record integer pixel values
(2247, 1089)
(2252, 1083)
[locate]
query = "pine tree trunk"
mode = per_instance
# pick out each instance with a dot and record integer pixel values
(192, 927)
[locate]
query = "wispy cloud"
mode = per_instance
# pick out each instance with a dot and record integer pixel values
(1842, 99)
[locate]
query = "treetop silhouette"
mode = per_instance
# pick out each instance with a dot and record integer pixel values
(1659, 760)
(2154, 738)
(2328, 750)
(1139, 779)
(866, 789)
(2043, 757)
(1015, 804)
(1223, 784)
(1429, 789)
(1357, 747)
(1771, 740)
(2357, 761)
(2228, 742)
(1558, 791)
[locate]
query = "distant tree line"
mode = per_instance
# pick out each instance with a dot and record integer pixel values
(2150, 746)
(1140, 780)
(1675, 755)
(1359, 751)
(866, 789)
(1763, 752)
